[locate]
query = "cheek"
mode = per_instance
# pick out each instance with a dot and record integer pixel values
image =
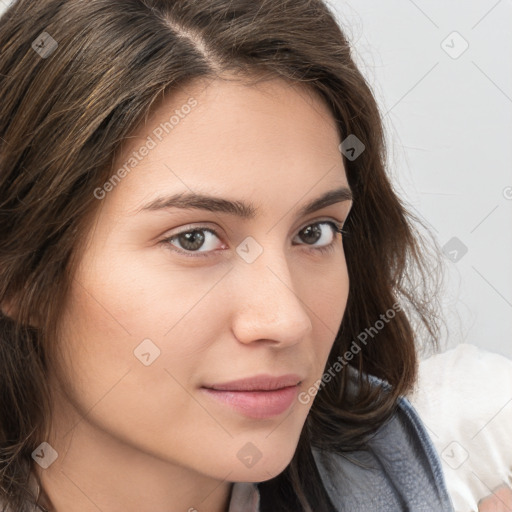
(326, 305)
(326, 296)
(139, 397)
(144, 294)
(137, 315)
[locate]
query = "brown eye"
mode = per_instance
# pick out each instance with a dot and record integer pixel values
(313, 233)
(192, 240)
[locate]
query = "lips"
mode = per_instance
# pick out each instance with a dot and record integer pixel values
(258, 383)
(259, 397)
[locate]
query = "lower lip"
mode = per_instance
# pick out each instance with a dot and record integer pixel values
(257, 404)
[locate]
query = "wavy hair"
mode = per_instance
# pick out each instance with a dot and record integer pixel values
(64, 116)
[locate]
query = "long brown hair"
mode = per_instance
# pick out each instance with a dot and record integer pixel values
(68, 104)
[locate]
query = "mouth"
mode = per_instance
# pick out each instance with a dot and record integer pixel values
(259, 397)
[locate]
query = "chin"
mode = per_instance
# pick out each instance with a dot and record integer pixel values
(263, 470)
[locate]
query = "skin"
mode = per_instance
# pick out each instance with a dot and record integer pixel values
(132, 437)
(499, 501)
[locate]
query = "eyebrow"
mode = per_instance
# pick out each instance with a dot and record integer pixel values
(190, 200)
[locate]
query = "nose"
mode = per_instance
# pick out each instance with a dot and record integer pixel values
(267, 305)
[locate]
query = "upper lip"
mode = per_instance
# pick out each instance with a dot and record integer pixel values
(258, 383)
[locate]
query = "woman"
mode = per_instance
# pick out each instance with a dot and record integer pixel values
(207, 281)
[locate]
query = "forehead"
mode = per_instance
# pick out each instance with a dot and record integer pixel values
(228, 136)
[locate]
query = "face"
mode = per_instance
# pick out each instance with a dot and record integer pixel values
(191, 331)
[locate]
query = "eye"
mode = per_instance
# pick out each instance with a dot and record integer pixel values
(313, 233)
(192, 240)
(201, 237)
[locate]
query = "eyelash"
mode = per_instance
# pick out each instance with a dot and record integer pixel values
(325, 249)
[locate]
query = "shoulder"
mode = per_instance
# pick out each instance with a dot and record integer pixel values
(466, 368)
(464, 398)
(399, 469)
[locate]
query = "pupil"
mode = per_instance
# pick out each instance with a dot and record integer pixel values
(317, 233)
(187, 240)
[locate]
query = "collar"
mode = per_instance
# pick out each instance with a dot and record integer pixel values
(245, 497)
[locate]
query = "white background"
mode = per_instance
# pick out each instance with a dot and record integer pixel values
(449, 126)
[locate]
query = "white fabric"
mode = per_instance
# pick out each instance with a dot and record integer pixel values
(464, 398)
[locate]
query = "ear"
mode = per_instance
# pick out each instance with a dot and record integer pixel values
(9, 309)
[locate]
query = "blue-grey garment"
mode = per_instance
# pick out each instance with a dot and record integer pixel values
(399, 471)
